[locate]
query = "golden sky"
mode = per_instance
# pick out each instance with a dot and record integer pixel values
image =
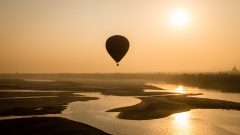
(52, 36)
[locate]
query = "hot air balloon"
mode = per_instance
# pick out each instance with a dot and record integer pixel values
(117, 47)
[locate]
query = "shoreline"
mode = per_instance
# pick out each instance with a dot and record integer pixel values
(153, 105)
(46, 126)
(162, 106)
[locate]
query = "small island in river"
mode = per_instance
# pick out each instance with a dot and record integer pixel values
(19, 97)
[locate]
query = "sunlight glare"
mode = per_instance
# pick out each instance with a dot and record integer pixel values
(180, 89)
(181, 119)
(179, 18)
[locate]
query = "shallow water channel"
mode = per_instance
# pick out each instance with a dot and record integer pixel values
(212, 94)
(197, 121)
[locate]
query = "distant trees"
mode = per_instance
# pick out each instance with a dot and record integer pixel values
(222, 81)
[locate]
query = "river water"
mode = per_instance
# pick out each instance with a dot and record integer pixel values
(212, 94)
(194, 122)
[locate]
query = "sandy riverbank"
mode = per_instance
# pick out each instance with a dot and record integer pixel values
(52, 97)
(154, 107)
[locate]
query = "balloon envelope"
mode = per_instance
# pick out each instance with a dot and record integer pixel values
(117, 47)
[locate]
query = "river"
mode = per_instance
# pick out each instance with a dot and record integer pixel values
(196, 121)
(193, 122)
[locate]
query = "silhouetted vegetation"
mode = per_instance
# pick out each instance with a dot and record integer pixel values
(221, 81)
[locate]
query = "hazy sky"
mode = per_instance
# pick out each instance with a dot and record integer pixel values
(55, 36)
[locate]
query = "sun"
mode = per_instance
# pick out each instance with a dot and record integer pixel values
(179, 18)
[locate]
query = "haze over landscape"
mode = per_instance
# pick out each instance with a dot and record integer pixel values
(120, 67)
(69, 36)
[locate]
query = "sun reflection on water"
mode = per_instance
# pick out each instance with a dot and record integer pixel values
(181, 122)
(181, 119)
(180, 89)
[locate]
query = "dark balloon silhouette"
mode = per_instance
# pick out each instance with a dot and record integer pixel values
(117, 47)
